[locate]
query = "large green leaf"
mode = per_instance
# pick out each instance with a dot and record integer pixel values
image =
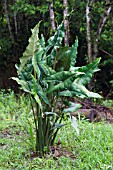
(87, 71)
(24, 75)
(73, 53)
(73, 107)
(71, 93)
(23, 84)
(62, 59)
(37, 89)
(43, 68)
(83, 90)
(31, 48)
(60, 76)
(65, 84)
(78, 90)
(56, 39)
(51, 71)
(35, 59)
(55, 42)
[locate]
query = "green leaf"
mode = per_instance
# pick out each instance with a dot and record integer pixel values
(31, 48)
(63, 85)
(42, 41)
(43, 96)
(60, 76)
(51, 71)
(73, 107)
(111, 82)
(36, 59)
(36, 68)
(23, 83)
(66, 93)
(43, 68)
(55, 42)
(83, 90)
(37, 99)
(25, 75)
(62, 60)
(89, 70)
(71, 93)
(39, 55)
(73, 53)
(51, 114)
(37, 89)
(57, 126)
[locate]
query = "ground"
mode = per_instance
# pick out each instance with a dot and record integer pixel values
(91, 150)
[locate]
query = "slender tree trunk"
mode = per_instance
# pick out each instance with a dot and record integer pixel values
(88, 19)
(15, 23)
(15, 19)
(66, 23)
(8, 20)
(100, 27)
(52, 16)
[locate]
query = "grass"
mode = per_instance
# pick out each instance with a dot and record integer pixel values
(91, 150)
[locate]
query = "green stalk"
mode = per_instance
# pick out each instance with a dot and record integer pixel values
(40, 132)
(48, 127)
(54, 136)
(35, 121)
(44, 129)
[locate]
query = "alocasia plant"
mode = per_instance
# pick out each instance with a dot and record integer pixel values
(47, 72)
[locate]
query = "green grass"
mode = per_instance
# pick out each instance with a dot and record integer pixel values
(91, 150)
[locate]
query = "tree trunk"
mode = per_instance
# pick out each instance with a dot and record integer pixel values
(100, 27)
(52, 16)
(66, 23)
(15, 23)
(8, 20)
(88, 19)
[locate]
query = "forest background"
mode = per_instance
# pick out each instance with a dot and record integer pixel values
(89, 20)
